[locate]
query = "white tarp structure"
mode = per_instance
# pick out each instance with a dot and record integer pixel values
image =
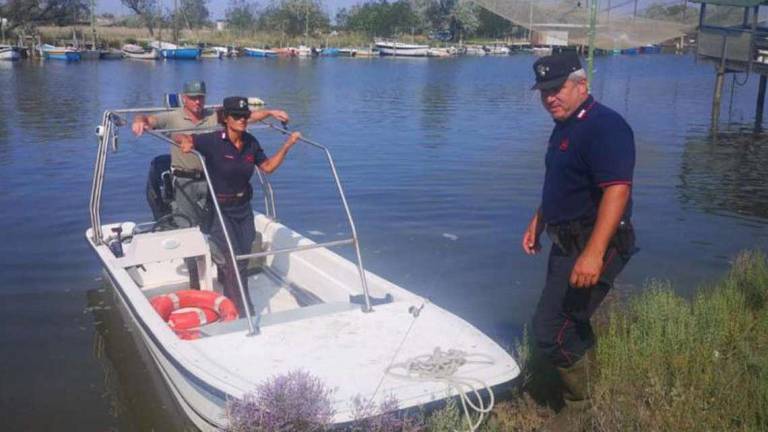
(620, 23)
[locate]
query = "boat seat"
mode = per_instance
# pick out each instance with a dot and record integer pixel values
(281, 317)
(164, 246)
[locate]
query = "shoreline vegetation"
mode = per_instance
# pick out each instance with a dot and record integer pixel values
(664, 363)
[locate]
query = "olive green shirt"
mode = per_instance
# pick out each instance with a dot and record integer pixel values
(178, 119)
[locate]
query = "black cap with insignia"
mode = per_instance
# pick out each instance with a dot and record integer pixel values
(236, 105)
(552, 71)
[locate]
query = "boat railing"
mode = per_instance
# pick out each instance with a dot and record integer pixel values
(107, 134)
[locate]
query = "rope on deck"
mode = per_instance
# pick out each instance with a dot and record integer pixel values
(443, 366)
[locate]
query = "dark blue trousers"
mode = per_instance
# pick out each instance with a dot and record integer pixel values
(561, 326)
(239, 222)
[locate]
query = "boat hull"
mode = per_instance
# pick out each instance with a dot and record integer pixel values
(403, 50)
(347, 349)
(9, 54)
(65, 55)
(90, 55)
(257, 52)
(181, 53)
(153, 54)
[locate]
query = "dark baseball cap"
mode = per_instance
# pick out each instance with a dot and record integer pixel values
(552, 71)
(194, 88)
(236, 105)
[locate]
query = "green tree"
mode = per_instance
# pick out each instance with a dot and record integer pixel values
(494, 26)
(241, 15)
(464, 20)
(295, 17)
(379, 18)
(28, 13)
(192, 14)
(147, 10)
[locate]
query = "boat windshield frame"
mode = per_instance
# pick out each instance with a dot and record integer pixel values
(107, 136)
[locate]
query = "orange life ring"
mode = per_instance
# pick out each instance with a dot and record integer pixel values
(186, 311)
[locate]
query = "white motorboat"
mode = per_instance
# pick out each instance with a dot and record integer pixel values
(8, 52)
(138, 53)
(475, 50)
(312, 310)
(211, 53)
(498, 50)
(303, 51)
(441, 52)
(398, 49)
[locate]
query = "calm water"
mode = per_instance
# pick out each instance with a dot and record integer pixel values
(442, 162)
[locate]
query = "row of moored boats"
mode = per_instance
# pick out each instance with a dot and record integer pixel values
(165, 50)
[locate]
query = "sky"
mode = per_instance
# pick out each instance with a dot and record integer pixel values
(216, 7)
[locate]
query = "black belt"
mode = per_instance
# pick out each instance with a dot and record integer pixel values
(233, 199)
(573, 236)
(191, 174)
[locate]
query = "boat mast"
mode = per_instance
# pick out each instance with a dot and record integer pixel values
(175, 22)
(93, 24)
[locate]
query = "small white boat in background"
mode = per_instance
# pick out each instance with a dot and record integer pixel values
(8, 52)
(313, 310)
(475, 50)
(138, 53)
(211, 53)
(398, 49)
(58, 53)
(498, 50)
(439, 52)
(259, 52)
(367, 52)
(303, 51)
(541, 51)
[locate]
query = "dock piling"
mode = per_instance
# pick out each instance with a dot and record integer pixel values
(760, 103)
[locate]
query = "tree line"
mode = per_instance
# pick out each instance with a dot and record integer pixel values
(449, 20)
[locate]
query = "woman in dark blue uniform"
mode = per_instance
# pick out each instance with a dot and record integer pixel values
(230, 157)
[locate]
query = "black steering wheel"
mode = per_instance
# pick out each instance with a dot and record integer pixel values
(167, 222)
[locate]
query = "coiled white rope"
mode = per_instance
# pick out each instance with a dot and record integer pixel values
(442, 366)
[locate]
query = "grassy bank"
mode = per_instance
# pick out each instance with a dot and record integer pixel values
(670, 364)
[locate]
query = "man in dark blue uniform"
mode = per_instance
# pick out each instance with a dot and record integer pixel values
(585, 208)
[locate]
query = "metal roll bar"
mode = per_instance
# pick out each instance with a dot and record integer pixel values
(108, 133)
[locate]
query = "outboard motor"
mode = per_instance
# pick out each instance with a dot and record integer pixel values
(159, 186)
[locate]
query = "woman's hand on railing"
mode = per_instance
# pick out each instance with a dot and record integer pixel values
(293, 138)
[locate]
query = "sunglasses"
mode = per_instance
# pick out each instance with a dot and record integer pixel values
(239, 116)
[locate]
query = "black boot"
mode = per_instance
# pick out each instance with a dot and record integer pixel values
(574, 417)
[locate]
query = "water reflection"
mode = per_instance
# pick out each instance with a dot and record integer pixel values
(725, 173)
(135, 391)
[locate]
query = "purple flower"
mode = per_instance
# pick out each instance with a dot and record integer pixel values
(296, 401)
(382, 418)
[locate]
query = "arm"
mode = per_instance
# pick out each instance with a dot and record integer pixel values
(273, 162)
(589, 265)
(143, 122)
(259, 115)
(531, 244)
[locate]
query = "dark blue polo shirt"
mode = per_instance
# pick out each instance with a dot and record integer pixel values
(592, 149)
(230, 169)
